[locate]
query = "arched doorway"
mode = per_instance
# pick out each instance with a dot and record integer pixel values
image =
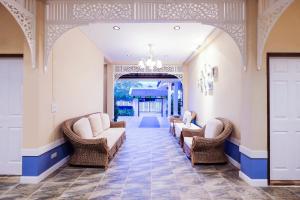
(147, 99)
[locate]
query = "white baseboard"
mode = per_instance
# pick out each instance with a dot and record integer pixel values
(253, 182)
(233, 162)
(45, 174)
(253, 153)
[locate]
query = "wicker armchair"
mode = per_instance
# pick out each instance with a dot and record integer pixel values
(206, 150)
(175, 119)
(91, 152)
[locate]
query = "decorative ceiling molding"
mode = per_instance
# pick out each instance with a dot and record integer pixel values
(120, 70)
(269, 13)
(63, 15)
(24, 13)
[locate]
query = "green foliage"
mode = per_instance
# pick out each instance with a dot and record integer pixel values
(126, 112)
(122, 88)
(121, 91)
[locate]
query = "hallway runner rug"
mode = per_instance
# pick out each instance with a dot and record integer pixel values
(149, 122)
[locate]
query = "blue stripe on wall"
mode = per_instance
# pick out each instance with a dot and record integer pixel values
(255, 168)
(35, 165)
(232, 150)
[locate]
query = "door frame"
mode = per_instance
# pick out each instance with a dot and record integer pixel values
(11, 55)
(269, 56)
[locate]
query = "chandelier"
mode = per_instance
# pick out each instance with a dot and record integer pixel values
(150, 62)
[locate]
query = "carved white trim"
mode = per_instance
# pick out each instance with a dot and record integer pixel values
(63, 15)
(269, 13)
(24, 14)
(120, 70)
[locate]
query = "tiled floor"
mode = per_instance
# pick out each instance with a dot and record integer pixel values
(150, 165)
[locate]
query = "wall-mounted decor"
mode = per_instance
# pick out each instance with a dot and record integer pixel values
(207, 78)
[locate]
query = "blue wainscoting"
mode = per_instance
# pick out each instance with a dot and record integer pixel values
(36, 165)
(232, 150)
(255, 168)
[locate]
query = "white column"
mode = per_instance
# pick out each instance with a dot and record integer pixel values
(175, 99)
(169, 98)
(135, 106)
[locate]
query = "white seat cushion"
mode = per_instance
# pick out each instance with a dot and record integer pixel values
(83, 128)
(112, 135)
(213, 128)
(180, 126)
(188, 141)
(96, 124)
(105, 121)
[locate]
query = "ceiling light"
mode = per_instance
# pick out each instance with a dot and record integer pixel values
(176, 28)
(150, 62)
(116, 28)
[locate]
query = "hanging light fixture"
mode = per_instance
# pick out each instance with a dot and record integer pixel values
(150, 62)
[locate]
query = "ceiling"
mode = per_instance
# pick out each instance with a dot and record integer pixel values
(130, 43)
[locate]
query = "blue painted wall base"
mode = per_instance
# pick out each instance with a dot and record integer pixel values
(254, 168)
(36, 165)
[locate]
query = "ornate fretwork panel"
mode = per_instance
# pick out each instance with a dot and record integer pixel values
(120, 70)
(269, 12)
(24, 13)
(228, 15)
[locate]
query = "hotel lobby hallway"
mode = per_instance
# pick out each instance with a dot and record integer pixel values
(150, 165)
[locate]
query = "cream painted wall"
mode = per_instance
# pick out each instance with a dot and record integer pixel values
(284, 37)
(74, 82)
(226, 98)
(10, 29)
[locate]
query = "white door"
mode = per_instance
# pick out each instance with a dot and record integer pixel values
(11, 76)
(285, 119)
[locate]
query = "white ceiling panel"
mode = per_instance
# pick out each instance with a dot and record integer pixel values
(130, 43)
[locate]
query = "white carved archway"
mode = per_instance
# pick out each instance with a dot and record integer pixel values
(120, 70)
(228, 15)
(24, 13)
(63, 15)
(268, 14)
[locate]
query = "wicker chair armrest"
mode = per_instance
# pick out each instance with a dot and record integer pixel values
(178, 120)
(173, 119)
(186, 132)
(121, 124)
(201, 142)
(206, 143)
(76, 141)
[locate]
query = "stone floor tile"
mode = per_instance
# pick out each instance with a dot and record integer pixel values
(146, 169)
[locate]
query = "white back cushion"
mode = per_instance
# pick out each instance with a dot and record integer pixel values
(105, 121)
(187, 117)
(96, 124)
(213, 128)
(83, 128)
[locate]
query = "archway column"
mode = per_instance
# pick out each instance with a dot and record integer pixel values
(169, 98)
(253, 146)
(175, 99)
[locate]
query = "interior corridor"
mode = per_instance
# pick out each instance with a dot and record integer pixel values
(150, 165)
